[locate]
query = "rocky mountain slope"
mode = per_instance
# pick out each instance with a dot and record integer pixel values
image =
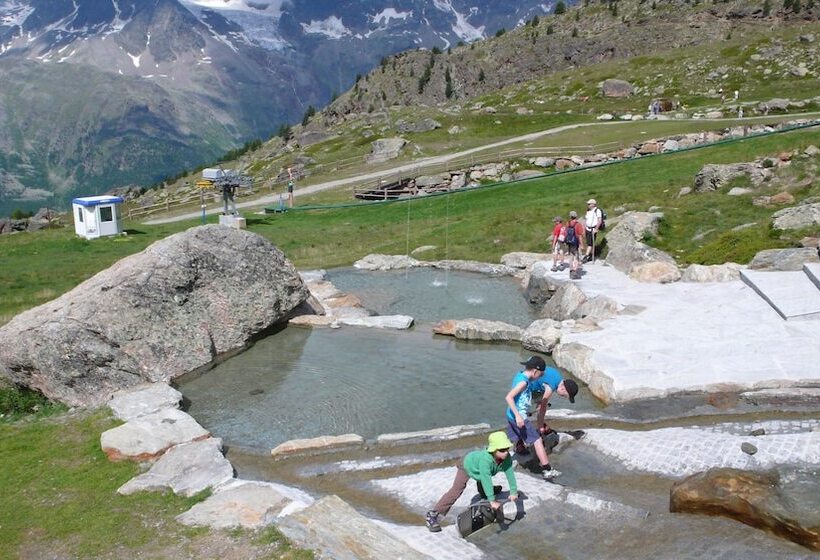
(100, 93)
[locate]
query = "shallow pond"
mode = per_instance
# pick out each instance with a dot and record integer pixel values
(302, 383)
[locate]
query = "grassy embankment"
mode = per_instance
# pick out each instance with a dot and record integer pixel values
(60, 501)
(480, 224)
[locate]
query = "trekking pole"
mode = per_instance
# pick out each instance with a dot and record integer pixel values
(593, 246)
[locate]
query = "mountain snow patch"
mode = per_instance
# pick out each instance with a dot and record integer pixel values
(332, 27)
(14, 14)
(462, 28)
(384, 17)
(273, 7)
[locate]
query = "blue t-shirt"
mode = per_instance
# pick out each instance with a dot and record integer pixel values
(522, 400)
(552, 377)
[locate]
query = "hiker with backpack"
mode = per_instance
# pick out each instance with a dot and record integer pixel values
(559, 246)
(593, 223)
(575, 240)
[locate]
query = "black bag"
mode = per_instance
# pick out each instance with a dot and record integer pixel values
(475, 517)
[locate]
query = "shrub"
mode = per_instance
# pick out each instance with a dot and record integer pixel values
(500, 32)
(560, 8)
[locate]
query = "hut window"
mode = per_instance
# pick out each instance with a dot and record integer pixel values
(80, 215)
(105, 214)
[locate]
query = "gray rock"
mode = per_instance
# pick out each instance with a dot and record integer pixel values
(474, 266)
(812, 150)
(424, 125)
(186, 469)
(247, 504)
(541, 285)
(784, 259)
(657, 270)
(309, 276)
(523, 259)
(616, 88)
(318, 527)
(748, 448)
(598, 308)
(542, 335)
(715, 273)
(739, 191)
(758, 432)
(564, 303)
(629, 255)
(385, 149)
(175, 307)
(139, 401)
(544, 161)
(317, 444)
(713, 176)
(482, 329)
(798, 217)
(385, 262)
(149, 436)
(577, 358)
(399, 322)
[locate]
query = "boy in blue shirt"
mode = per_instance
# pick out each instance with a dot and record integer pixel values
(519, 400)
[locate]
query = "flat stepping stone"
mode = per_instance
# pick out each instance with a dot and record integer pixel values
(400, 322)
(242, 503)
(436, 434)
(149, 436)
(322, 443)
(186, 469)
(145, 399)
(791, 293)
(335, 530)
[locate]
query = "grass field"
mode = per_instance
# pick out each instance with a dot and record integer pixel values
(480, 224)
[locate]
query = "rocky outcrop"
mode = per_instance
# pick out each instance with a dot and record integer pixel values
(630, 255)
(616, 88)
(175, 307)
(713, 177)
(798, 217)
(385, 149)
(784, 259)
(149, 436)
(598, 308)
(317, 444)
(523, 259)
(751, 498)
(577, 358)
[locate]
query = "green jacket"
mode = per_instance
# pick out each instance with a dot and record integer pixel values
(481, 466)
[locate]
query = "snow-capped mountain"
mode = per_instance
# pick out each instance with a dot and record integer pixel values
(100, 93)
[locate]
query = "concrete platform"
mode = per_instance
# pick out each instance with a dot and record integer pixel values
(812, 270)
(794, 295)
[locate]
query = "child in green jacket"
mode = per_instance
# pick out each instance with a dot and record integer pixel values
(480, 466)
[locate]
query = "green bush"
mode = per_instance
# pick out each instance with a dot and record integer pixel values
(16, 402)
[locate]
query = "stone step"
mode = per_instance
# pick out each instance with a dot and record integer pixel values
(812, 270)
(792, 294)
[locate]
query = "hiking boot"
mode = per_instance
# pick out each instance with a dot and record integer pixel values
(586, 259)
(554, 268)
(432, 521)
(574, 275)
(548, 473)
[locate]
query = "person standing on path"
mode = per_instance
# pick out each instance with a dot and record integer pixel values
(559, 236)
(575, 242)
(592, 224)
(481, 466)
(519, 401)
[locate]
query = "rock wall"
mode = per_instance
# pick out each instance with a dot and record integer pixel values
(153, 316)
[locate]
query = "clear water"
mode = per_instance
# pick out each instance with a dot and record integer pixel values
(303, 383)
(300, 383)
(430, 295)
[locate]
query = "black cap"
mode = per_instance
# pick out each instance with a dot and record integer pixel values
(572, 389)
(537, 362)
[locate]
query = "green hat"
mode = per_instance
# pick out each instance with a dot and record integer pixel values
(498, 440)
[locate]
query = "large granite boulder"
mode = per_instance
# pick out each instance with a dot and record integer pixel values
(629, 254)
(385, 149)
(713, 177)
(616, 88)
(567, 299)
(173, 308)
(789, 510)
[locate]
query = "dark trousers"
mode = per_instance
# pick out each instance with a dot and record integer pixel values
(457, 489)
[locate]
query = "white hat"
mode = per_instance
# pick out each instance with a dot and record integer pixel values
(592, 201)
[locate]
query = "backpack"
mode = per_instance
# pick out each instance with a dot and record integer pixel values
(572, 235)
(602, 225)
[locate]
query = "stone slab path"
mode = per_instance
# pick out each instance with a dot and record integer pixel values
(694, 336)
(793, 294)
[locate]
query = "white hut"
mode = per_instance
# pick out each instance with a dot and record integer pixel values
(96, 216)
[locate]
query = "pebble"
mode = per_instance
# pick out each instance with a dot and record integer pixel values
(748, 448)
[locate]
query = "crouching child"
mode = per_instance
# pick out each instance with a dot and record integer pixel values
(481, 466)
